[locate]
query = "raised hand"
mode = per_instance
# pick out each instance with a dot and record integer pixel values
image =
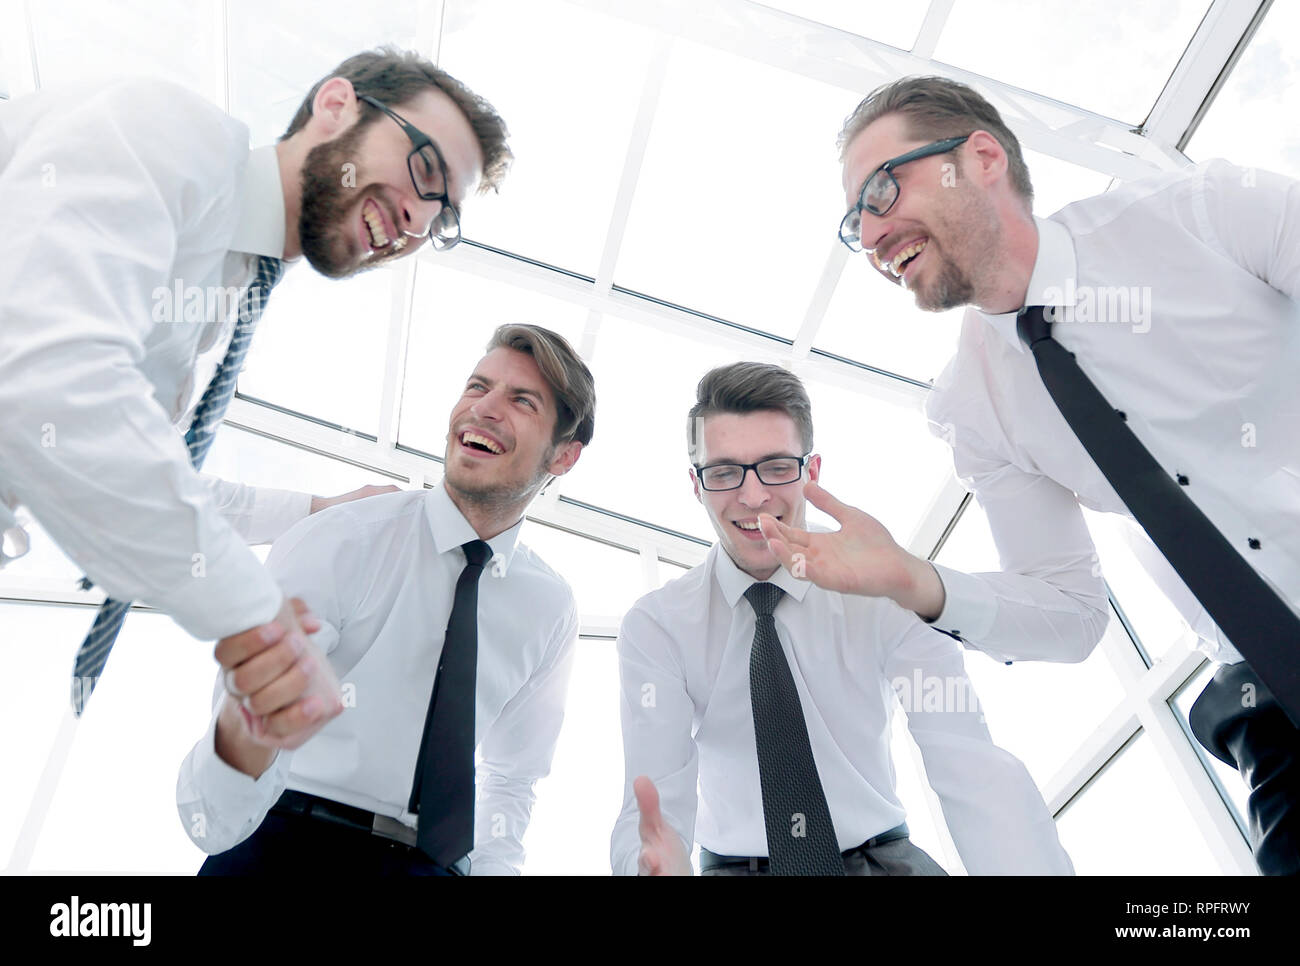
(859, 558)
(662, 851)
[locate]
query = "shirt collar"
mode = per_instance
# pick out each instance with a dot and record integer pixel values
(450, 529)
(1052, 281)
(261, 227)
(733, 582)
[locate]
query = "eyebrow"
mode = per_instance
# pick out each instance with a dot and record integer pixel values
(781, 455)
(513, 390)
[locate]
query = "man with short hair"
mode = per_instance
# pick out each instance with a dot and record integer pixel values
(387, 788)
(1134, 353)
(776, 696)
(121, 194)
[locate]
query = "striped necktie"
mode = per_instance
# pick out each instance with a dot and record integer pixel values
(94, 650)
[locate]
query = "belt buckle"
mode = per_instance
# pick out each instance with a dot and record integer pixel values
(391, 828)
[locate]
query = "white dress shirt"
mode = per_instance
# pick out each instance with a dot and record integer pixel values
(684, 661)
(117, 197)
(381, 575)
(1203, 362)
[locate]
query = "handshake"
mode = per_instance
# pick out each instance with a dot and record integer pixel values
(280, 690)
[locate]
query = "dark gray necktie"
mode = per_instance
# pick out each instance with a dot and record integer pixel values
(800, 836)
(1260, 624)
(442, 794)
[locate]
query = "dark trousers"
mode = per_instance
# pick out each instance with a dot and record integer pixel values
(890, 853)
(1239, 721)
(295, 845)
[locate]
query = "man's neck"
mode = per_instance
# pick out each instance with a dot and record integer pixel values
(488, 520)
(290, 156)
(1014, 262)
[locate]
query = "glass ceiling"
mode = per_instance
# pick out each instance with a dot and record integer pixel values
(673, 207)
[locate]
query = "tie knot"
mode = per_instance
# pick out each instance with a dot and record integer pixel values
(764, 597)
(1032, 325)
(476, 552)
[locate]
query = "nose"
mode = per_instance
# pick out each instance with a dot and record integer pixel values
(753, 494)
(417, 215)
(488, 406)
(873, 229)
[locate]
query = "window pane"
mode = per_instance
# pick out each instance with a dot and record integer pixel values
(606, 580)
(1261, 93)
(1110, 58)
(578, 802)
(898, 26)
(453, 317)
(319, 347)
(83, 39)
(569, 135)
(739, 199)
(157, 673)
(249, 458)
(1232, 788)
(280, 48)
(1131, 821)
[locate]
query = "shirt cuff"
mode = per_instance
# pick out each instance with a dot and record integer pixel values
(969, 606)
(227, 789)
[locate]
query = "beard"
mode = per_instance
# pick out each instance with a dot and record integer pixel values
(975, 230)
(326, 203)
(498, 494)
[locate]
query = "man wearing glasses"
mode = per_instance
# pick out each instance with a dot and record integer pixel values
(775, 696)
(1136, 353)
(118, 196)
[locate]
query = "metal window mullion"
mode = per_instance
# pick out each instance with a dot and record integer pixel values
(399, 333)
(927, 38)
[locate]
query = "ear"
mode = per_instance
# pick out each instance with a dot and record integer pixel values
(695, 482)
(985, 160)
(565, 456)
(815, 467)
(334, 109)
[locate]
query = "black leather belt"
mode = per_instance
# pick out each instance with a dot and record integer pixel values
(325, 810)
(758, 863)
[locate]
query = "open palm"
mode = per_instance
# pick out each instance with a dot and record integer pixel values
(859, 558)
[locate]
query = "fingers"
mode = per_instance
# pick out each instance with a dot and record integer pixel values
(238, 648)
(772, 528)
(292, 726)
(257, 672)
(306, 619)
(647, 803)
(823, 501)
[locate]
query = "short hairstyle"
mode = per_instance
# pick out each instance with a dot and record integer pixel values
(748, 387)
(570, 380)
(935, 108)
(395, 76)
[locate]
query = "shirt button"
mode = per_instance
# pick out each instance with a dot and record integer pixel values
(1183, 480)
(1254, 544)
(1122, 415)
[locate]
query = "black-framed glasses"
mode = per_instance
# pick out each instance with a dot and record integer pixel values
(429, 176)
(881, 189)
(776, 471)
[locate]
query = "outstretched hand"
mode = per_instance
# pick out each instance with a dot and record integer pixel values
(859, 558)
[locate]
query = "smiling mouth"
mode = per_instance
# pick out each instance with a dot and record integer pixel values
(750, 528)
(376, 230)
(480, 444)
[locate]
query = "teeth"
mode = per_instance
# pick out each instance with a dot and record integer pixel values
(747, 526)
(904, 254)
(482, 441)
(376, 226)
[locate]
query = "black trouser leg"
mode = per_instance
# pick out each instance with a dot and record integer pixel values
(1239, 721)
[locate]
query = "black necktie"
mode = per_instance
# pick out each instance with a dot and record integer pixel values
(800, 836)
(443, 792)
(1257, 621)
